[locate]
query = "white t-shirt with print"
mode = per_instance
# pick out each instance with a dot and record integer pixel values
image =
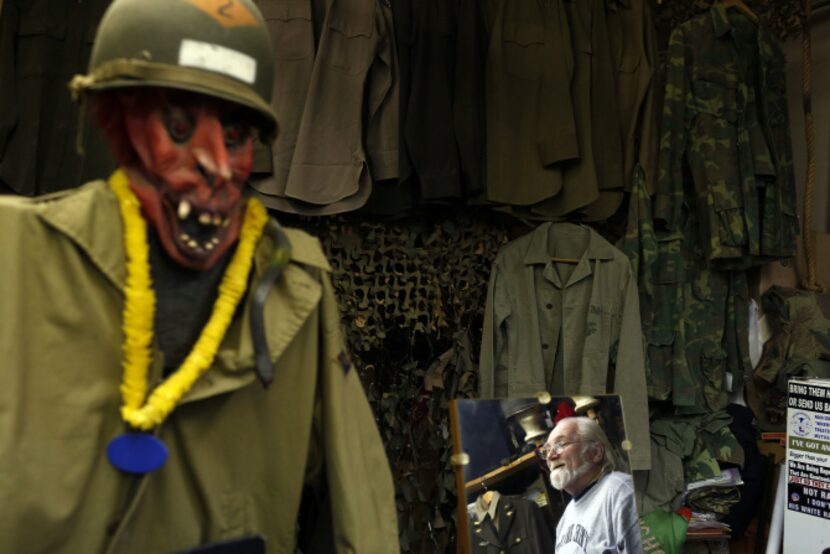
(601, 520)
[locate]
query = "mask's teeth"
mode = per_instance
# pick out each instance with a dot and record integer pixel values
(184, 209)
(184, 237)
(204, 218)
(226, 222)
(217, 219)
(192, 244)
(208, 246)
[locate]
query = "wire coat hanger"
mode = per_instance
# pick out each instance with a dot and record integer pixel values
(741, 7)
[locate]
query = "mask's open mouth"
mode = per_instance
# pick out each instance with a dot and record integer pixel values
(196, 231)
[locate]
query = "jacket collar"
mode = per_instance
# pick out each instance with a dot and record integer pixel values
(720, 19)
(484, 530)
(89, 217)
(613, 5)
(482, 510)
(548, 236)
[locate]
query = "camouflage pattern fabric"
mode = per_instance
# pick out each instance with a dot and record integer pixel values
(694, 319)
(718, 500)
(800, 322)
(725, 95)
(768, 401)
(640, 246)
(699, 329)
(701, 441)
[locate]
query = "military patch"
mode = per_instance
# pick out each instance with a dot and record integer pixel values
(228, 13)
(345, 361)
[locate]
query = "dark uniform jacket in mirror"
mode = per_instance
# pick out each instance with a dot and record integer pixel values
(516, 525)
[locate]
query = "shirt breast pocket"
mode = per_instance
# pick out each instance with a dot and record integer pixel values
(289, 23)
(39, 40)
(349, 40)
(601, 334)
(523, 41)
(716, 93)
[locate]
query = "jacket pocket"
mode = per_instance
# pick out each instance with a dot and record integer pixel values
(726, 205)
(627, 77)
(38, 40)
(523, 41)
(776, 94)
(349, 39)
(716, 93)
(713, 368)
(602, 330)
(289, 24)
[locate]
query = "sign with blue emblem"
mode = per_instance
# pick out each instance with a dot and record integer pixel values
(807, 517)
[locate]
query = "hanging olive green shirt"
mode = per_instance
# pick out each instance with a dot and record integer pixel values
(572, 329)
(239, 453)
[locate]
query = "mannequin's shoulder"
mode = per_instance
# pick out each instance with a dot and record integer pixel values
(306, 249)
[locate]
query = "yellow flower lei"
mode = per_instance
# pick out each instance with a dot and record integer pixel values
(139, 312)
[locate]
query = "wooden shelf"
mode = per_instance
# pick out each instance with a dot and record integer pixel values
(707, 534)
(493, 477)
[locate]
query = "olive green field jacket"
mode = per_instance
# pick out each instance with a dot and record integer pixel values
(239, 454)
(572, 331)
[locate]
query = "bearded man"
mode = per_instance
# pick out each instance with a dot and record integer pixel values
(601, 516)
(174, 376)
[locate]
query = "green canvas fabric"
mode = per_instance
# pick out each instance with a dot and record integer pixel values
(239, 453)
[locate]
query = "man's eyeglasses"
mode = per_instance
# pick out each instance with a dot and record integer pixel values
(555, 449)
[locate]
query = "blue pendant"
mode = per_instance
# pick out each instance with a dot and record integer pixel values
(137, 453)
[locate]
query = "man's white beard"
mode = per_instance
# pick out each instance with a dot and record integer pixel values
(561, 477)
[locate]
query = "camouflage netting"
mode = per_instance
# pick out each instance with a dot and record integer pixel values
(412, 297)
(783, 16)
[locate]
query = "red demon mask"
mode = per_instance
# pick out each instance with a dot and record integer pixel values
(188, 157)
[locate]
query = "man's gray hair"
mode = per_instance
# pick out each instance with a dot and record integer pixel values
(589, 430)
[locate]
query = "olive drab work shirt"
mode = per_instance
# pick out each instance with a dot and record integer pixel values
(238, 453)
(336, 100)
(549, 325)
(725, 118)
(529, 119)
(43, 43)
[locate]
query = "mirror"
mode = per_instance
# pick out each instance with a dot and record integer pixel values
(496, 463)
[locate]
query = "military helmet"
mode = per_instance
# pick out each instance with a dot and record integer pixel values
(216, 47)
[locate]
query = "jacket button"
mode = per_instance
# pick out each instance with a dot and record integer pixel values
(549, 306)
(545, 346)
(518, 540)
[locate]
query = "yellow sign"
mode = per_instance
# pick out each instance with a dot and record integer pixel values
(229, 13)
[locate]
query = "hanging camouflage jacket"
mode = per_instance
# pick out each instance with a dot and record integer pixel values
(725, 153)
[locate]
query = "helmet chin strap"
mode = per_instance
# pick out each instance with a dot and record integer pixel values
(280, 256)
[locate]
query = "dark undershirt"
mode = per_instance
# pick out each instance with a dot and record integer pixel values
(184, 301)
(586, 489)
